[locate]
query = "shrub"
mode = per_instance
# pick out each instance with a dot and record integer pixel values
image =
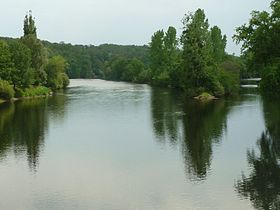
(271, 79)
(6, 90)
(33, 91)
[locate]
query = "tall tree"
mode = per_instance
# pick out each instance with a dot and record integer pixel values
(39, 55)
(164, 56)
(157, 53)
(219, 43)
(6, 64)
(29, 27)
(197, 59)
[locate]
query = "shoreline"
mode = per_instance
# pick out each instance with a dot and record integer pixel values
(2, 101)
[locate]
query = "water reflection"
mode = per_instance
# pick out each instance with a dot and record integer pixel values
(262, 185)
(204, 125)
(23, 126)
(166, 114)
(195, 126)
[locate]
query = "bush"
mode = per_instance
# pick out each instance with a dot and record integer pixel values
(33, 91)
(230, 81)
(6, 90)
(271, 79)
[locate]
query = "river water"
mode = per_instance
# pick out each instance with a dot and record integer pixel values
(119, 146)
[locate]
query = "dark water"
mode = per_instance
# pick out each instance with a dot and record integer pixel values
(118, 146)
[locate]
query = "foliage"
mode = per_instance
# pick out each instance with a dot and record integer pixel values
(219, 43)
(91, 61)
(121, 69)
(6, 64)
(261, 44)
(271, 78)
(22, 74)
(33, 91)
(198, 64)
(6, 90)
(29, 27)
(164, 55)
(39, 58)
(55, 69)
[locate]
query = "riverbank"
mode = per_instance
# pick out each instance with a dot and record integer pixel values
(28, 93)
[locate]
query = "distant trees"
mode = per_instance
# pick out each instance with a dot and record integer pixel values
(261, 45)
(129, 70)
(92, 61)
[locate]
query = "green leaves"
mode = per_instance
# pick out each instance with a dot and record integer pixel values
(55, 69)
(164, 56)
(261, 41)
(29, 27)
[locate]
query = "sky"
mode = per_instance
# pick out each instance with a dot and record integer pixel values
(123, 22)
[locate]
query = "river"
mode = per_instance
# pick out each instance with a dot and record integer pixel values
(119, 146)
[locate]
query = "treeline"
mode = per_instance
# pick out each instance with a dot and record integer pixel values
(93, 61)
(260, 40)
(195, 62)
(25, 68)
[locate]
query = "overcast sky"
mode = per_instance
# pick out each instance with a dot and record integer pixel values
(120, 21)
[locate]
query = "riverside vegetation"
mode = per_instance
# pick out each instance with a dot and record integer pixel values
(195, 62)
(25, 68)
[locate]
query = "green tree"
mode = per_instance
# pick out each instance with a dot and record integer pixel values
(261, 41)
(29, 27)
(219, 43)
(164, 56)
(39, 57)
(157, 53)
(22, 73)
(56, 77)
(198, 66)
(6, 64)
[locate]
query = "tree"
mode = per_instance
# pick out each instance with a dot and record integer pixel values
(56, 77)
(157, 53)
(219, 43)
(6, 64)
(261, 41)
(198, 66)
(39, 57)
(22, 73)
(164, 56)
(29, 27)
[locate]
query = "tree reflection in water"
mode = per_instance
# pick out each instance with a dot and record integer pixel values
(23, 125)
(193, 125)
(262, 185)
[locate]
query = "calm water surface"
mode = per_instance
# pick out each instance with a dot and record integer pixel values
(118, 146)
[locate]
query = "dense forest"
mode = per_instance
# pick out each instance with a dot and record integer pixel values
(195, 62)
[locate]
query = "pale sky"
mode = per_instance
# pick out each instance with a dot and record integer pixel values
(120, 22)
